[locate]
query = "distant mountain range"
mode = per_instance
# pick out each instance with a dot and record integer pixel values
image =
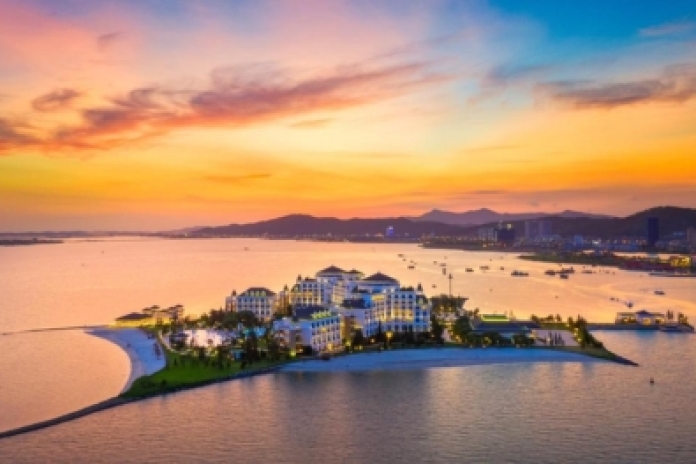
(486, 216)
(304, 225)
(567, 223)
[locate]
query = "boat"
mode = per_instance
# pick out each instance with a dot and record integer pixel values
(434, 262)
(629, 304)
(519, 274)
(564, 276)
(444, 271)
(659, 292)
(468, 269)
(443, 264)
(434, 286)
(411, 266)
(484, 268)
(502, 268)
(587, 272)
(400, 255)
(550, 272)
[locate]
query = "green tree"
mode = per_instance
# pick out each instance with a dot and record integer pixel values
(436, 328)
(461, 327)
(273, 349)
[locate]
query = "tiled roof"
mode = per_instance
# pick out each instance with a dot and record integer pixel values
(133, 317)
(331, 270)
(253, 290)
(357, 303)
(379, 277)
(508, 326)
(305, 312)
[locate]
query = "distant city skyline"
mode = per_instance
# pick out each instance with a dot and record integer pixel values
(157, 115)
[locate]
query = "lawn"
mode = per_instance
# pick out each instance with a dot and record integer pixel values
(188, 371)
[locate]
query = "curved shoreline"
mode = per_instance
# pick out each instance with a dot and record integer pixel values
(409, 359)
(335, 365)
(138, 347)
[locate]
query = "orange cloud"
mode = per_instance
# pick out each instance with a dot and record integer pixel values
(55, 100)
(235, 97)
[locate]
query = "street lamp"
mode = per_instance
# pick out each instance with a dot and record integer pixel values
(389, 336)
(450, 285)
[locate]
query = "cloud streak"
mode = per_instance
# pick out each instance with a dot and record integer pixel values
(667, 29)
(677, 84)
(56, 100)
(234, 97)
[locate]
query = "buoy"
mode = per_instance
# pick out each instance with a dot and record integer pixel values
(652, 381)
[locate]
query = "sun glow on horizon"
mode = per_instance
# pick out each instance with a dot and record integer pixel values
(135, 117)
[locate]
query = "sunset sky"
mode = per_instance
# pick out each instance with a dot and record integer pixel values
(156, 115)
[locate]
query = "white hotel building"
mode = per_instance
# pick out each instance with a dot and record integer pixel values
(259, 300)
(385, 301)
(319, 303)
(313, 326)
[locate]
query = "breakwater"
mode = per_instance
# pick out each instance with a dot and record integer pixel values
(120, 400)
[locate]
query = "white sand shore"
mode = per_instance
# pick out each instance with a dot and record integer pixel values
(435, 357)
(140, 350)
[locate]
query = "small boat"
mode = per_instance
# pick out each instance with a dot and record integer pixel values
(444, 271)
(468, 269)
(411, 266)
(519, 274)
(484, 268)
(659, 292)
(400, 255)
(502, 268)
(443, 264)
(564, 276)
(550, 272)
(629, 304)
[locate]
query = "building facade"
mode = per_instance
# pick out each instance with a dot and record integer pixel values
(381, 300)
(653, 231)
(259, 300)
(311, 326)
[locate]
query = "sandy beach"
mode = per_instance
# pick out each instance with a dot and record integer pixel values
(434, 357)
(140, 350)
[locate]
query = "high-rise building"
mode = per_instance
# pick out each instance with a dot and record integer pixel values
(505, 234)
(537, 228)
(653, 230)
(691, 236)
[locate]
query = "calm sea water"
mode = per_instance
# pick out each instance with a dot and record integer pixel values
(514, 413)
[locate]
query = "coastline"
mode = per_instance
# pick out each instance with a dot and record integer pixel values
(138, 347)
(408, 359)
(400, 359)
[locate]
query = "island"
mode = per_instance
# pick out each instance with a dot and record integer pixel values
(335, 320)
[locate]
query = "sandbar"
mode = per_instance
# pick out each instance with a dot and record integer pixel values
(435, 357)
(139, 348)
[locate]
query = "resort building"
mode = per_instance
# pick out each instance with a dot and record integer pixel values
(310, 291)
(380, 299)
(339, 283)
(311, 326)
(361, 312)
(150, 316)
(642, 317)
(505, 326)
(259, 300)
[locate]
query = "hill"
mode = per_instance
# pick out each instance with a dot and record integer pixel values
(486, 216)
(300, 225)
